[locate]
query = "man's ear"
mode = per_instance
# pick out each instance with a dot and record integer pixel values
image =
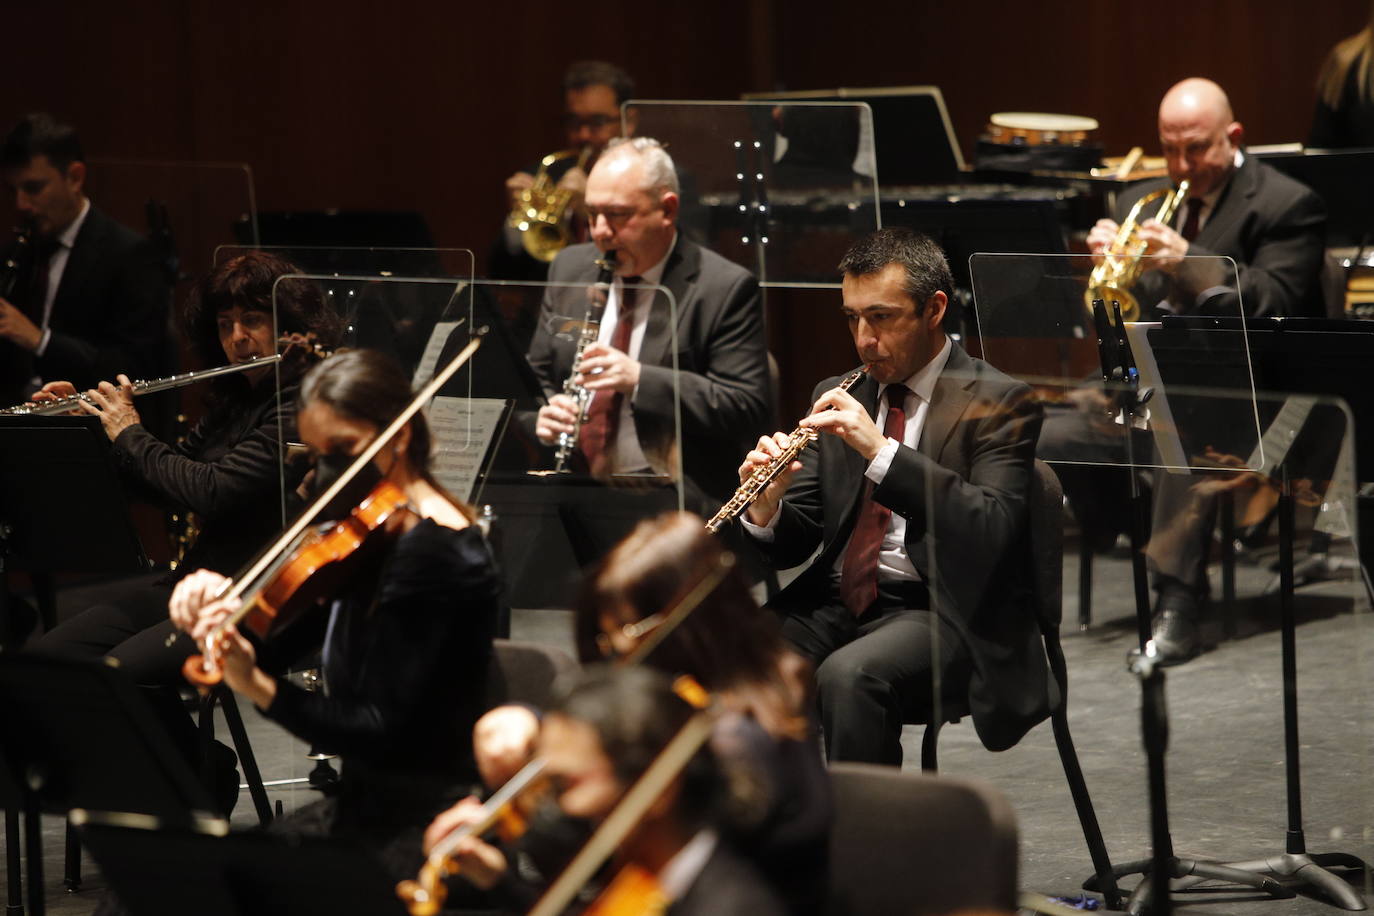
(936, 305)
(670, 203)
(76, 175)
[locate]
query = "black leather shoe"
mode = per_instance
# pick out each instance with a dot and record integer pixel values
(1174, 628)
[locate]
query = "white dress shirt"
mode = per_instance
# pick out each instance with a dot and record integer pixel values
(57, 263)
(893, 562)
(625, 454)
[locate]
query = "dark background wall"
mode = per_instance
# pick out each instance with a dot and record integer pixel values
(360, 104)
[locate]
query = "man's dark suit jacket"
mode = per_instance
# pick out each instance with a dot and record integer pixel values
(1272, 226)
(721, 352)
(963, 492)
(109, 315)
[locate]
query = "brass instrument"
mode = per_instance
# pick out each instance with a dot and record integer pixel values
(753, 487)
(541, 211)
(62, 405)
(591, 328)
(1121, 263)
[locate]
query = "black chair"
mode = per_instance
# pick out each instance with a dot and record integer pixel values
(1046, 511)
(910, 843)
(525, 672)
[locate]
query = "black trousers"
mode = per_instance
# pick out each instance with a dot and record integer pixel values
(876, 670)
(130, 626)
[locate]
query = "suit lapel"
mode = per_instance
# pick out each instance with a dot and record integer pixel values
(1233, 203)
(80, 260)
(953, 391)
(684, 263)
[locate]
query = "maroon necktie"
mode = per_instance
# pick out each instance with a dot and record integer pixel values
(603, 414)
(1192, 218)
(37, 294)
(859, 572)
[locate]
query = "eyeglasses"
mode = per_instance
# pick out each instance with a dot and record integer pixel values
(617, 217)
(593, 122)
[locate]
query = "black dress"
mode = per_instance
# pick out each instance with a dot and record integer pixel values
(405, 662)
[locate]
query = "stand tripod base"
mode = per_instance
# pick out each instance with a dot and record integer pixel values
(1307, 870)
(1140, 900)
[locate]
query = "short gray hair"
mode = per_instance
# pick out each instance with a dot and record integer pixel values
(659, 172)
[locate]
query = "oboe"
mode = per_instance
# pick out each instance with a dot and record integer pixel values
(591, 329)
(62, 405)
(757, 482)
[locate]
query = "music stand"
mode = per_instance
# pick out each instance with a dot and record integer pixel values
(54, 470)
(1296, 358)
(83, 737)
(157, 868)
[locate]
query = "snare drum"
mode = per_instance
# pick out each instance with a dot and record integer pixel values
(1033, 128)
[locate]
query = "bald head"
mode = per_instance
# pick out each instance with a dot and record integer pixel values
(1196, 98)
(1198, 135)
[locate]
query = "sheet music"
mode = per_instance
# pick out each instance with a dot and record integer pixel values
(429, 360)
(463, 429)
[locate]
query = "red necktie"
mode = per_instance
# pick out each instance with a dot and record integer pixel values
(859, 572)
(603, 414)
(1192, 219)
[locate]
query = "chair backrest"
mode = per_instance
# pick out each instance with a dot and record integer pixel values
(1046, 519)
(910, 843)
(524, 672)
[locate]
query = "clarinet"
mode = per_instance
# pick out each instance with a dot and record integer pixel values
(18, 260)
(591, 328)
(757, 482)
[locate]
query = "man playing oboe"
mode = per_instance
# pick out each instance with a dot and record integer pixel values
(915, 492)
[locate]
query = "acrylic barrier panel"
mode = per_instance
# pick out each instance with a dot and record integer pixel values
(1184, 329)
(362, 261)
(621, 458)
(783, 188)
(186, 209)
(1218, 548)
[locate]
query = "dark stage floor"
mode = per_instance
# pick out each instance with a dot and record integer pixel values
(1226, 774)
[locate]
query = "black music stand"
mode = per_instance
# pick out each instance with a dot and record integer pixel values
(1123, 385)
(53, 471)
(82, 736)
(156, 869)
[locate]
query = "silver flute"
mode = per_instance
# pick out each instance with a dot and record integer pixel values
(62, 405)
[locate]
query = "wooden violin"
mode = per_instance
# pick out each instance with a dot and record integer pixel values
(305, 564)
(424, 895)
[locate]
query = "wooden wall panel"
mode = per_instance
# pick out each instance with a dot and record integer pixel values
(428, 106)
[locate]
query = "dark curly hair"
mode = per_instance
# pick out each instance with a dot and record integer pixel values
(250, 281)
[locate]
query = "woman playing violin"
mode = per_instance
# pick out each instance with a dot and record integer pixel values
(781, 816)
(598, 741)
(228, 472)
(406, 638)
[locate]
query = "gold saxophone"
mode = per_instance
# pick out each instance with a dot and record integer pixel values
(1121, 263)
(757, 482)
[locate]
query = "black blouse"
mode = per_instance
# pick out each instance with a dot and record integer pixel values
(406, 653)
(228, 472)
